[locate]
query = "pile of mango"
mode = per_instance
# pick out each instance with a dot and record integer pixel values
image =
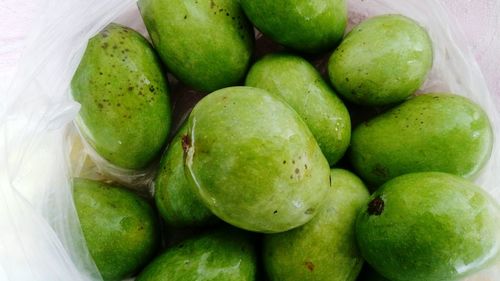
(282, 172)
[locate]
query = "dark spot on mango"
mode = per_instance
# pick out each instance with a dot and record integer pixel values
(275, 212)
(376, 206)
(186, 143)
(309, 265)
(309, 211)
(380, 171)
(297, 170)
(105, 45)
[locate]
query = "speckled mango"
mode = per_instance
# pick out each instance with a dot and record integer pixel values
(310, 26)
(177, 203)
(120, 228)
(382, 61)
(253, 161)
(325, 248)
(225, 255)
(431, 132)
(205, 44)
(429, 227)
(125, 106)
(301, 86)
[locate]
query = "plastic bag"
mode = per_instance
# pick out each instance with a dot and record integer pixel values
(40, 237)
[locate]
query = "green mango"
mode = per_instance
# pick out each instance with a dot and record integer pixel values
(301, 86)
(177, 203)
(432, 132)
(205, 44)
(225, 255)
(325, 248)
(120, 228)
(382, 61)
(253, 161)
(312, 26)
(125, 110)
(429, 227)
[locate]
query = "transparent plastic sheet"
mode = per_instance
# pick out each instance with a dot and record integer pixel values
(40, 237)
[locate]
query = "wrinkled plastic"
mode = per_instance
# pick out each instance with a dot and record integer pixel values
(40, 237)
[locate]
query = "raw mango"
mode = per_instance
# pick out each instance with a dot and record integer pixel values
(431, 132)
(301, 86)
(429, 227)
(311, 26)
(253, 161)
(177, 202)
(382, 61)
(120, 228)
(125, 110)
(325, 248)
(225, 254)
(206, 44)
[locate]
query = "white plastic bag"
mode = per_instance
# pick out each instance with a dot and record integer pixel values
(40, 237)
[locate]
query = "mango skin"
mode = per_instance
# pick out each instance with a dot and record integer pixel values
(431, 132)
(177, 203)
(125, 110)
(205, 44)
(325, 248)
(301, 86)
(431, 226)
(382, 61)
(253, 161)
(312, 26)
(120, 228)
(226, 254)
